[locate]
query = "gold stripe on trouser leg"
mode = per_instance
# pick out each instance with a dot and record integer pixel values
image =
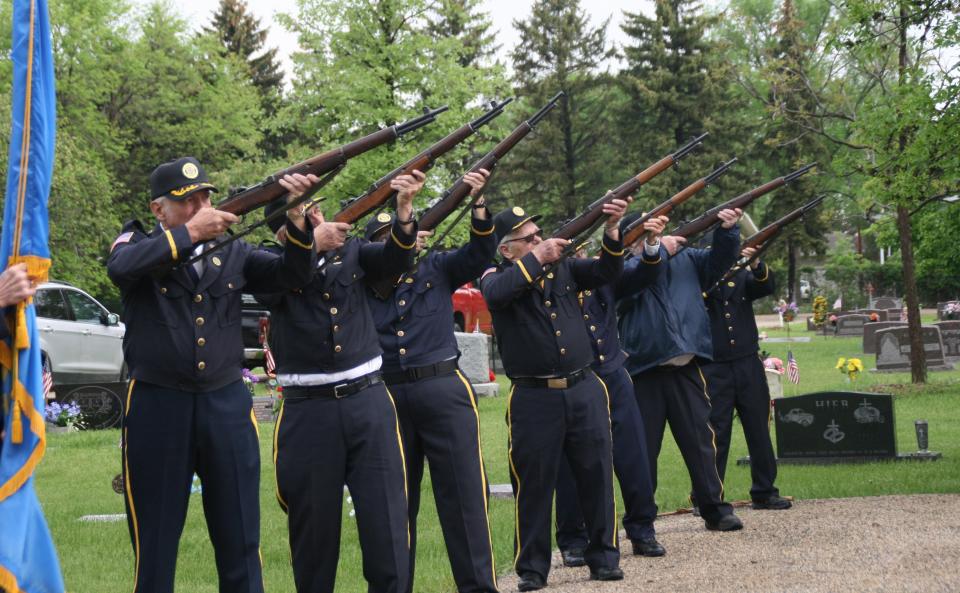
(256, 425)
(516, 477)
(403, 459)
(483, 473)
(276, 477)
(129, 492)
(713, 435)
(606, 393)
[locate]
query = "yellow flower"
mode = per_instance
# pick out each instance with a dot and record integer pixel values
(841, 362)
(857, 364)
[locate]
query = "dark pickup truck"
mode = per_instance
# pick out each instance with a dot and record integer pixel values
(254, 321)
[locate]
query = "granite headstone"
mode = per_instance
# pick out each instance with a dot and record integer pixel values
(880, 313)
(475, 361)
(870, 333)
(851, 325)
(893, 349)
(886, 303)
(950, 334)
(101, 404)
(894, 314)
(835, 425)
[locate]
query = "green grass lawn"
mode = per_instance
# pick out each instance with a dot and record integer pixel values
(74, 480)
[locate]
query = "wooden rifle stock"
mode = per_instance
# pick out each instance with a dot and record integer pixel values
(270, 189)
(635, 231)
(380, 192)
(708, 219)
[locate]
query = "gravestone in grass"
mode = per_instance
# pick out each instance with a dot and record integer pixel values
(895, 315)
(893, 349)
(886, 303)
(881, 314)
(101, 404)
(851, 325)
(835, 425)
(870, 333)
(950, 333)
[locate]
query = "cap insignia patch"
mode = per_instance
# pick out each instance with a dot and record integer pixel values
(518, 211)
(383, 217)
(190, 171)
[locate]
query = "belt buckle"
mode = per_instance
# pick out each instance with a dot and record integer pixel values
(557, 383)
(336, 390)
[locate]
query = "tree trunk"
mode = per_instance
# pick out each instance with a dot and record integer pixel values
(918, 358)
(793, 292)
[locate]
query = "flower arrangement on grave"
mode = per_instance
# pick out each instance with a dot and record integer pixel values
(851, 367)
(874, 317)
(819, 310)
(250, 380)
(68, 415)
(952, 310)
(833, 319)
(773, 363)
(788, 312)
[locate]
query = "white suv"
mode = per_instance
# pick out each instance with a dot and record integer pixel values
(81, 341)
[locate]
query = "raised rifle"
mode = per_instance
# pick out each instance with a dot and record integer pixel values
(458, 192)
(710, 218)
(578, 229)
(380, 192)
(634, 231)
(325, 165)
(762, 239)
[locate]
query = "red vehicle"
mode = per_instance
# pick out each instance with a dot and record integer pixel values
(469, 309)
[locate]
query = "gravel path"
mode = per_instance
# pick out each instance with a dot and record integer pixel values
(885, 543)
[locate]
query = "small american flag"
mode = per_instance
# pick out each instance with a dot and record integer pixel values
(793, 369)
(270, 364)
(47, 383)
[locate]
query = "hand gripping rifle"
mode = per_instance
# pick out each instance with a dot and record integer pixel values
(710, 218)
(578, 229)
(635, 231)
(763, 238)
(458, 192)
(380, 192)
(325, 165)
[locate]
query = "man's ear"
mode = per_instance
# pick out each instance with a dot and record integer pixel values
(156, 206)
(504, 251)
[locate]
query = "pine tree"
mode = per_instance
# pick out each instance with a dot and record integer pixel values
(566, 164)
(790, 105)
(241, 35)
(678, 88)
(461, 19)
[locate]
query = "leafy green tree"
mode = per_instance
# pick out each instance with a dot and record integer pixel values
(463, 20)
(566, 164)
(240, 33)
(369, 64)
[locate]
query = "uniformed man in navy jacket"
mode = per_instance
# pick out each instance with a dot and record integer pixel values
(666, 334)
(738, 381)
(435, 402)
(557, 404)
(338, 424)
(630, 460)
(187, 409)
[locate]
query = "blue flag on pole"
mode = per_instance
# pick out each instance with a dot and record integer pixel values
(28, 561)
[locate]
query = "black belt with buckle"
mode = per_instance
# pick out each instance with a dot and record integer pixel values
(338, 390)
(416, 373)
(551, 382)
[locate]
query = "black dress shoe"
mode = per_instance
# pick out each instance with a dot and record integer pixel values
(773, 503)
(531, 582)
(573, 557)
(647, 546)
(725, 523)
(606, 574)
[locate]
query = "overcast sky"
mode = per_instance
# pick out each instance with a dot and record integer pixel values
(502, 13)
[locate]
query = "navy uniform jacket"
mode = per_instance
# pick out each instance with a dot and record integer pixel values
(668, 318)
(731, 313)
(540, 330)
(326, 326)
(415, 323)
(182, 334)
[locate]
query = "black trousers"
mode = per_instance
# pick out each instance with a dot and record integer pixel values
(322, 443)
(741, 385)
(630, 462)
(544, 425)
(678, 395)
(168, 435)
(439, 421)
